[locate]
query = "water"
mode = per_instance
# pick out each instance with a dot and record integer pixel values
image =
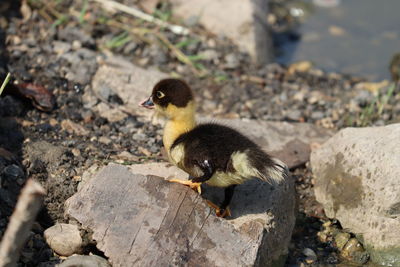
(357, 37)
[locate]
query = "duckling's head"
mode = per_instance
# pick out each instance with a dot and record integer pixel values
(172, 98)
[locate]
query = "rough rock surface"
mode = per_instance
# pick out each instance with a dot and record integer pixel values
(147, 221)
(64, 239)
(85, 261)
(116, 76)
(357, 176)
(244, 22)
(290, 142)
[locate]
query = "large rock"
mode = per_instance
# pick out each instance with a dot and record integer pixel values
(244, 22)
(117, 76)
(143, 220)
(357, 176)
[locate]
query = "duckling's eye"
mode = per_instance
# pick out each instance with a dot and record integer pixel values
(160, 94)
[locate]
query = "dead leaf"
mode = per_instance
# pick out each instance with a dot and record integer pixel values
(42, 99)
(4, 153)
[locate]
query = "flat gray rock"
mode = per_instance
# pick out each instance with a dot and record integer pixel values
(117, 76)
(357, 175)
(139, 219)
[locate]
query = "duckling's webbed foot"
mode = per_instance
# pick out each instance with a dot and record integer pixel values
(193, 185)
(224, 211)
(218, 211)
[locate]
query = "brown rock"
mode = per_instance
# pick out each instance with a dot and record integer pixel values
(74, 128)
(126, 156)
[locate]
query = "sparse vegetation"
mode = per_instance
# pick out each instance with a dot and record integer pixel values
(119, 40)
(5, 82)
(375, 108)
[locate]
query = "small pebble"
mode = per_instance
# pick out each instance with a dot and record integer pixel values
(105, 140)
(85, 261)
(232, 61)
(64, 239)
(311, 256)
(294, 115)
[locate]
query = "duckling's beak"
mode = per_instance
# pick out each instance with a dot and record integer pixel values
(148, 103)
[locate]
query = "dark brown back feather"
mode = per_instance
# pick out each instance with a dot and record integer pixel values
(216, 143)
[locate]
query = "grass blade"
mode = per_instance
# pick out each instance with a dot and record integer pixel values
(6, 80)
(83, 12)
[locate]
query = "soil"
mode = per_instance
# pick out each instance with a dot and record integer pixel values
(39, 144)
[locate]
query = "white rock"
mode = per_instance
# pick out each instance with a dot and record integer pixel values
(64, 239)
(244, 22)
(85, 261)
(110, 113)
(357, 174)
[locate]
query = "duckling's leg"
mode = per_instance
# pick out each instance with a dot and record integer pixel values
(224, 210)
(194, 186)
(195, 182)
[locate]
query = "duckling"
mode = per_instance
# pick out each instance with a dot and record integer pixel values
(209, 152)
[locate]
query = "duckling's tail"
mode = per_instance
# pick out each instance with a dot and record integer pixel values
(277, 171)
(267, 168)
(256, 163)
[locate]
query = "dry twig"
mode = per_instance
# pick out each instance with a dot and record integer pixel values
(29, 203)
(178, 53)
(140, 33)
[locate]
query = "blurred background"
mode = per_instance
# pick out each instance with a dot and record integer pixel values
(355, 37)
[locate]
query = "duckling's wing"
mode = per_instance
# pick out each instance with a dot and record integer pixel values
(227, 151)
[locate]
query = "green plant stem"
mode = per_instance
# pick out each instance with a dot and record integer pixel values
(6, 80)
(385, 98)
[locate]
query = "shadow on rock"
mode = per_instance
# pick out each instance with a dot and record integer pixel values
(252, 197)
